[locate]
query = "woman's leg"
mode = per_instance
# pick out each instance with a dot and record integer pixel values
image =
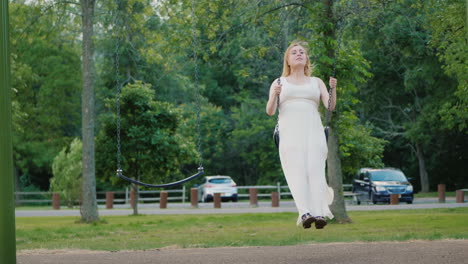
(293, 161)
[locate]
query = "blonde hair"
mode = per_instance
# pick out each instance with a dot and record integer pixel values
(308, 68)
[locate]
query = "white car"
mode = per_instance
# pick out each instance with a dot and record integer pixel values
(217, 184)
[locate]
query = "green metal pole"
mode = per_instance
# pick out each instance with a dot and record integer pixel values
(7, 208)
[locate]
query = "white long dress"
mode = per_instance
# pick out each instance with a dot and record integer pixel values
(303, 148)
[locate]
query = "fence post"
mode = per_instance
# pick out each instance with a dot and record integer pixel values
(183, 194)
(441, 191)
(460, 196)
(274, 199)
(109, 200)
(394, 199)
(126, 195)
(253, 197)
(217, 200)
(163, 200)
(56, 201)
(194, 197)
(279, 190)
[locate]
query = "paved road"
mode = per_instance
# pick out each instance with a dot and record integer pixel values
(420, 252)
(235, 208)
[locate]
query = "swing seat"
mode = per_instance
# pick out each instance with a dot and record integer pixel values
(120, 174)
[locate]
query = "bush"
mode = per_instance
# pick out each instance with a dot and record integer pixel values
(67, 170)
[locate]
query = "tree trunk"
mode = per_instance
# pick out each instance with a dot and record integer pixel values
(335, 176)
(422, 169)
(135, 191)
(88, 210)
(335, 179)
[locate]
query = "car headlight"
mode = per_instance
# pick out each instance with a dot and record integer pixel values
(409, 188)
(380, 188)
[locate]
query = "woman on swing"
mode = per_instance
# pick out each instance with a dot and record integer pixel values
(303, 147)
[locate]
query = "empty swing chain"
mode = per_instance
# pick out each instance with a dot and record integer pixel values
(118, 86)
(197, 88)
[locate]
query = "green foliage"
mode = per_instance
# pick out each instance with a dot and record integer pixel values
(148, 50)
(22, 77)
(401, 69)
(404, 98)
(358, 148)
(214, 129)
(67, 169)
(152, 151)
(46, 80)
(357, 145)
(252, 140)
(447, 22)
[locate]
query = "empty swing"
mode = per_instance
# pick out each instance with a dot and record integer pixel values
(119, 85)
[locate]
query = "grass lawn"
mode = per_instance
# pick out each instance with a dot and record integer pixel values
(159, 231)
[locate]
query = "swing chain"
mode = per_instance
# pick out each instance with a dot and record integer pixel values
(119, 82)
(197, 88)
(118, 86)
(339, 27)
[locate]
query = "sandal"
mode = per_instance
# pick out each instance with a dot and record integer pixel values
(320, 222)
(307, 220)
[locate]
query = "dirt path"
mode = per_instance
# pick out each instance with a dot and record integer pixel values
(425, 252)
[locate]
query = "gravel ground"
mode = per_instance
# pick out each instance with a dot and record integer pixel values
(424, 252)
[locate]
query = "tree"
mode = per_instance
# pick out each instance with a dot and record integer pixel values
(449, 37)
(67, 169)
(88, 210)
(46, 81)
(407, 89)
(325, 44)
(240, 58)
(152, 151)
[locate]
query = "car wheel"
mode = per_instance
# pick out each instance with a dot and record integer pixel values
(374, 201)
(234, 199)
(409, 202)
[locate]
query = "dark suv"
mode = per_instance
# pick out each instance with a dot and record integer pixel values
(376, 185)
